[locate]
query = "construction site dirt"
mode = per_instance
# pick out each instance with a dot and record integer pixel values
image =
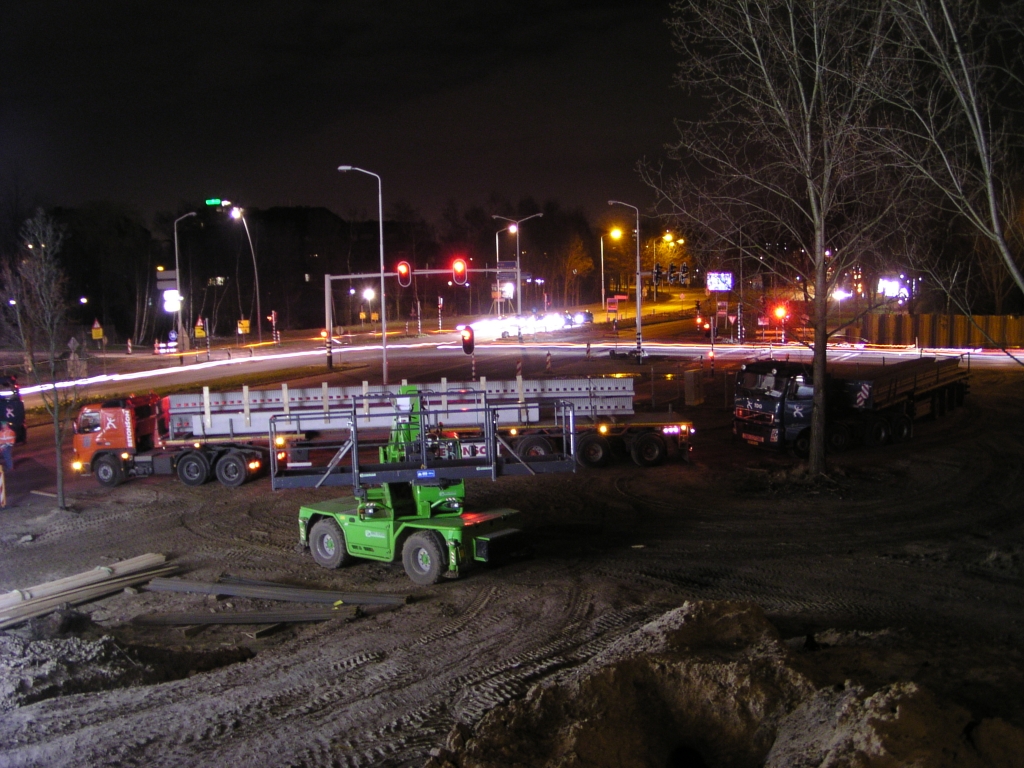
(729, 611)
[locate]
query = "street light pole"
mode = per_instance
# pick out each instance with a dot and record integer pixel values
(177, 278)
(383, 305)
(519, 273)
(639, 332)
(238, 214)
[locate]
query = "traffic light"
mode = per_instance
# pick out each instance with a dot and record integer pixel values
(672, 276)
(459, 276)
(780, 312)
(657, 274)
(404, 274)
(468, 341)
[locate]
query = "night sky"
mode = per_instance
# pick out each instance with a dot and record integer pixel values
(157, 103)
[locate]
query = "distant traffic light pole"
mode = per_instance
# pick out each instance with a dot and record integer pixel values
(519, 274)
(383, 310)
(403, 272)
(639, 331)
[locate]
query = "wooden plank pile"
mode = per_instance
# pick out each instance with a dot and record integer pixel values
(23, 604)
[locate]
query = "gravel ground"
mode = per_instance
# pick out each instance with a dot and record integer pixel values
(883, 603)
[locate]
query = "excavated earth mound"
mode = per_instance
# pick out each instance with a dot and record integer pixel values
(712, 684)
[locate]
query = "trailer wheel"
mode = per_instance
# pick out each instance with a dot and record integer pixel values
(533, 445)
(802, 444)
(649, 450)
(193, 470)
(327, 544)
(109, 471)
(902, 428)
(592, 450)
(837, 438)
(876, 432)
(231, 470)
(423, 559)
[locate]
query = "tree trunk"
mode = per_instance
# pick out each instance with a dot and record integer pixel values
(61, 504)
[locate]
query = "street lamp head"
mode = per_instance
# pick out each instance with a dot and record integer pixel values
(236, 213)
(344, 168)
(615, 233)
(368, 294)
(513, 228)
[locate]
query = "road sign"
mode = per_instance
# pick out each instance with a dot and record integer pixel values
(613, 304)
(200, 329)
(243, 327)
(167, 280)
(97, 330)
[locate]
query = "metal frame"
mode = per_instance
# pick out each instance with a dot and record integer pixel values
(421, 467)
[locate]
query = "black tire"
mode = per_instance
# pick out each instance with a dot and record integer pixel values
(193, 469)
(327, 543)
(902, 428)
(802, 444)
(423, 558)
(533, 445)
(232, 470)
(837, 438)
(592, 450)
(109, 471)
(876, 432)
(649, 450)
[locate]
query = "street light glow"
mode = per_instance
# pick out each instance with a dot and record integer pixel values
(616, 233)
(369, 294)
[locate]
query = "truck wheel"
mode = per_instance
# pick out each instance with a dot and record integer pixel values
(423, 559)
(593, 451)
(837, 438)
(902, 428)
(327, 544)
(109, 471)
(534, 445)
(649, 450)
(802, 444)
(193, 470)
(231, 470)
(876, 432)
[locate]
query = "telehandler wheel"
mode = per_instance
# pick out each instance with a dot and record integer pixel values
(327, 544)
(649, 450)
(231, 470)
(423, 558)
(593, 451)
(533, 445)
(109, 471)
(193, 470)
(902, 428)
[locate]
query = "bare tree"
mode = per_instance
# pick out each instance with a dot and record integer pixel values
(780, 171)
(36, 315)
(949, 123)
(575, 264)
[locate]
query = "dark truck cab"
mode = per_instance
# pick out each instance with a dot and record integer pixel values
(872, 403)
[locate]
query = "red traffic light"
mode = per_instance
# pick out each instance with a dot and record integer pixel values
(404, 274)
(459, 271)
(468, 340)
(780, 312)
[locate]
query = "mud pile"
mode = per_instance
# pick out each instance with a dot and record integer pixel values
(711, 684)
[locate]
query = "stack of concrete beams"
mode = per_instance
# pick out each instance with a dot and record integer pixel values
(23, 604)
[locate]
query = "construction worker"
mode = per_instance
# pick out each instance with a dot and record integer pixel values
(7, 439)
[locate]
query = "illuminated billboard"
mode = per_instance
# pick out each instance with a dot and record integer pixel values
(719, 281)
